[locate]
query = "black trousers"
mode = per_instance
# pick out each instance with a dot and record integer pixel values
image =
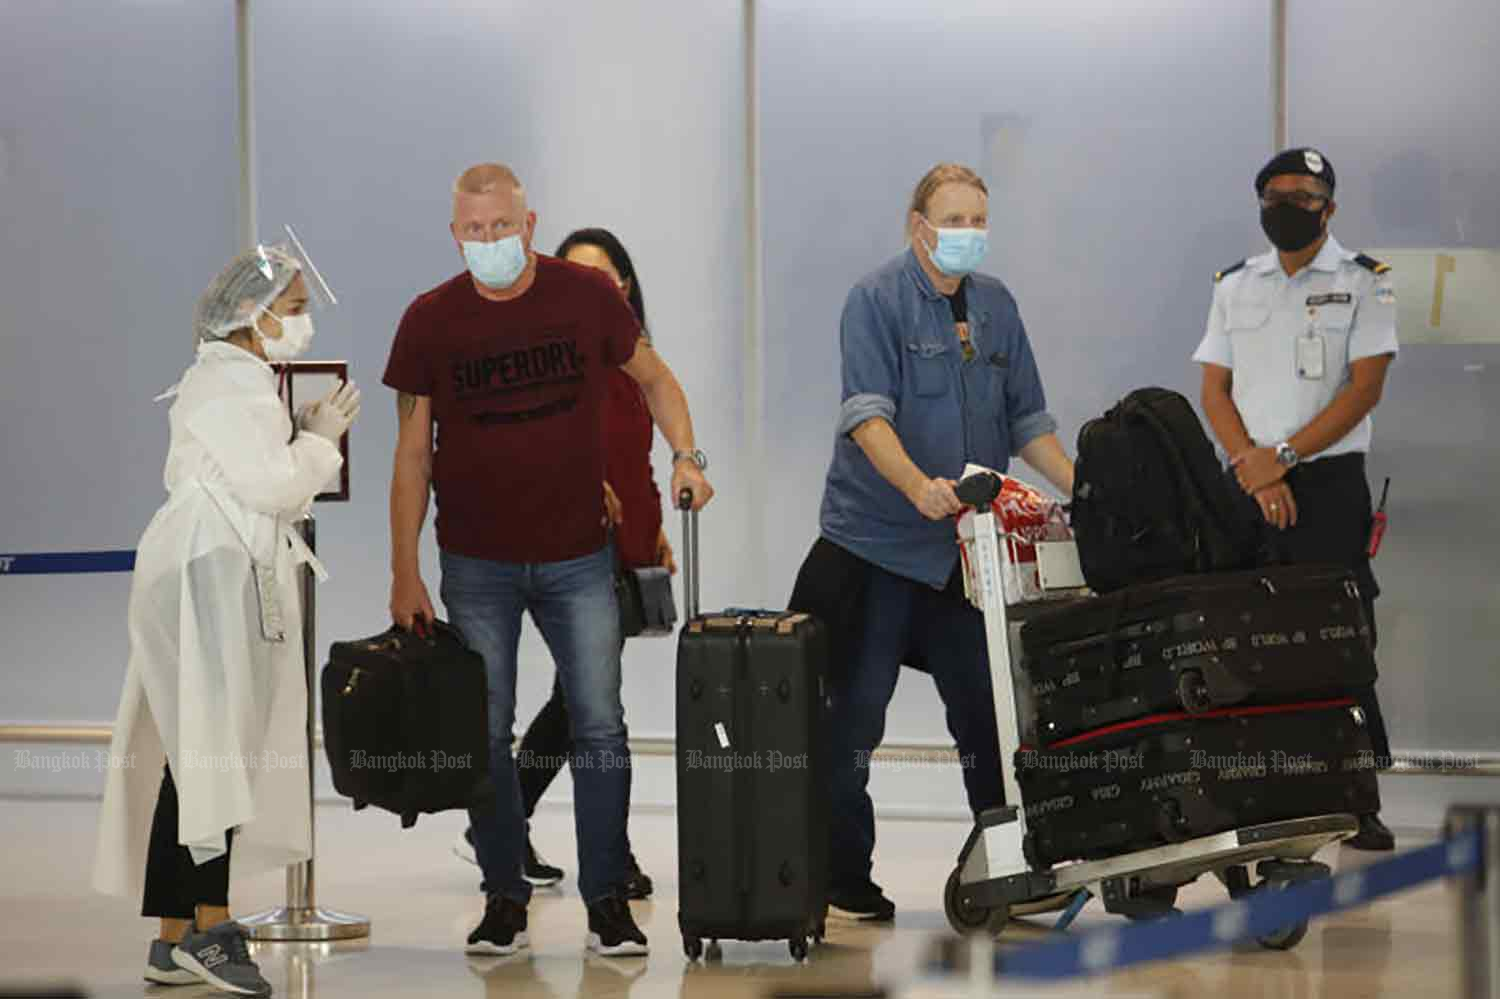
(1334, 518)
(175, 886)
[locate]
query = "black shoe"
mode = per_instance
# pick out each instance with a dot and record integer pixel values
(865, 903)
(502, 932)
(637, 885)
(612, 929)
(538, 871)
(1372, 835)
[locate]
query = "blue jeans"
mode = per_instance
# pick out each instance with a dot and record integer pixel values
(573, 605)
(906, 621)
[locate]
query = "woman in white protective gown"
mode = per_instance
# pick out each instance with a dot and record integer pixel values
(215, 684)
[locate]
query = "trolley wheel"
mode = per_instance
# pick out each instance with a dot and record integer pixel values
(1192, 692)
(1280, 875)
(819, 932)
(1286, 938)
(964, 918)
(692, 947)
(714, 953)
(798, 947)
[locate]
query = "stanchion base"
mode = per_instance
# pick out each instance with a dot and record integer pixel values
(282, 923)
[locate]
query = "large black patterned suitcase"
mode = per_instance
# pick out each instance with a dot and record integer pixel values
(1193, 643)
(405, 722)
(752, 824)
(1169, 778)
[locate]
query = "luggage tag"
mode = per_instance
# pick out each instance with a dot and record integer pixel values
(272, 628)
(1310, 355)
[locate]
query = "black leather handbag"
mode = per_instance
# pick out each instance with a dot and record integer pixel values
(647, 606)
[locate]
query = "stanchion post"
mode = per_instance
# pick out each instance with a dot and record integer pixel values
(1478, 902)
(300, 918)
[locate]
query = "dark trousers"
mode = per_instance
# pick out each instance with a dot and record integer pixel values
(1334, 517)
(547, 742)
(175, 886)
(903, 621)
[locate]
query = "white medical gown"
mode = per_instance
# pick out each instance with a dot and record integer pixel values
(204, 687)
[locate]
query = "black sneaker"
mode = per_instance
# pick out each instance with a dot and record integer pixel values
(612, 929)
(220, 957)
(637, 885)
(538, 871)
(1372, 835)
(865, 903)
(502, 932)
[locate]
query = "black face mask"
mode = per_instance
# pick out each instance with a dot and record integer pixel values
(1290, 228)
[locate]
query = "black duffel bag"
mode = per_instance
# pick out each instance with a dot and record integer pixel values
(405, 722)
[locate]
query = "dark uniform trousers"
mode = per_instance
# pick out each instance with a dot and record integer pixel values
(1334, 518)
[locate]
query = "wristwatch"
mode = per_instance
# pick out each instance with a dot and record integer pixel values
(1286, 457)
(696, 456)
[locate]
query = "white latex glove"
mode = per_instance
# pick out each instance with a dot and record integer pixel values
(332, 416)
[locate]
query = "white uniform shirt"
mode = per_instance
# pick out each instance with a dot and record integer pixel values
(1263, 325)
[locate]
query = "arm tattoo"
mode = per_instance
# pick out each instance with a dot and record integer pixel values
(406, 404)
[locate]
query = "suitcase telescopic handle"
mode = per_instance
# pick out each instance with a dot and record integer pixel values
(690, 574)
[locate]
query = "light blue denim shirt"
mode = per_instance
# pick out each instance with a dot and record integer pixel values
(902, 360)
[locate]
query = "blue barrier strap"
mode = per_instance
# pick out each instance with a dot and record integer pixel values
(48, 563)
(1260, 914)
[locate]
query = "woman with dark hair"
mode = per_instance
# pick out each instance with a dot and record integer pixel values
(634, 505)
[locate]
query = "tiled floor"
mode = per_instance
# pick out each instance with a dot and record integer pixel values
(422, 902)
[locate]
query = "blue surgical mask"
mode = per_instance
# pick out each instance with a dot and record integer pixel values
(497, 264)
(958, 251)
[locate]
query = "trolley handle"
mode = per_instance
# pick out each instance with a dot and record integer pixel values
(690, 567)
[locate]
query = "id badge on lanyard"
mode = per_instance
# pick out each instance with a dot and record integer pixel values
(1310, 355)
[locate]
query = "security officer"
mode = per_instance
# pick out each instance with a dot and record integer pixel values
(937, 372)
(1294, 359)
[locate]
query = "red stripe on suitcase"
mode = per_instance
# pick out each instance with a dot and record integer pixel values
(1268, 709)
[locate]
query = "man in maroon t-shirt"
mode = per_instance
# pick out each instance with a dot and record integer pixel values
(509, 361)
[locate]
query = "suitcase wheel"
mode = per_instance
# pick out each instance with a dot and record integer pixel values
(798, 947)
(692, 947)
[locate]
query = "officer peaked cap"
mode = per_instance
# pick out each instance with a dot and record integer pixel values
(1303, 160)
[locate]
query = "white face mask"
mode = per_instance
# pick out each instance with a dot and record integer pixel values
(296, 337)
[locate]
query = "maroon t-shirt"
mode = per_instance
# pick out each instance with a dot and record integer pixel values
(628, 435)
(517, 391)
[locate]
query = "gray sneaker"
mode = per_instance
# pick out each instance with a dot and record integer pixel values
(219, 956)
(162, 970)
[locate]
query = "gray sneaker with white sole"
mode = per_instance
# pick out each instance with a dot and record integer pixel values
(220, 957)
(162, 970)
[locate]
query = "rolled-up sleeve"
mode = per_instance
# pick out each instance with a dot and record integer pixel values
(1025, 400)
(870, 362)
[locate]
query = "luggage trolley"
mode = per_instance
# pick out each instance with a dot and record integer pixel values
(994, 879)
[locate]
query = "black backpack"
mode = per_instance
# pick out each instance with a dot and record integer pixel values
(1150, 499)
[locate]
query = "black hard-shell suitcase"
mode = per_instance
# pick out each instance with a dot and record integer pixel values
(405, 722)
(752, 824)
(1169, 778)
(1192, 643)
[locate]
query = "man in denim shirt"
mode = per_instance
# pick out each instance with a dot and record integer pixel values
(937, 372)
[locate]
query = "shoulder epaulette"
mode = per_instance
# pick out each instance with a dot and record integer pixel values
(1221, 275)
(1371, 264)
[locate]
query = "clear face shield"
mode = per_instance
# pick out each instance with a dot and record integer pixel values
(319, 295)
